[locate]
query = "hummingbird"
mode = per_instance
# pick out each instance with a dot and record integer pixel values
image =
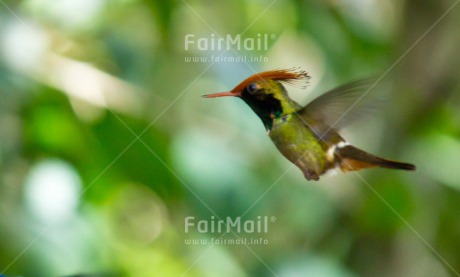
(308, 135)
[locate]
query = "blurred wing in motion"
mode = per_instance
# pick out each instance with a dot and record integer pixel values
(341, 107)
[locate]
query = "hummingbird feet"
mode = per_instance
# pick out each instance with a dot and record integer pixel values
(310, 175)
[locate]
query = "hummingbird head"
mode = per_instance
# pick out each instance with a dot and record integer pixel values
(265, 94)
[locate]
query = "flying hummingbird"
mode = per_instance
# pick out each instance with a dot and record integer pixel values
(307, 136)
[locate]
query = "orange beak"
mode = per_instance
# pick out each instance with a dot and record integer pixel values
(222, 94)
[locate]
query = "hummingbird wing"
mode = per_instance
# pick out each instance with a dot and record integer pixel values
(340, 107)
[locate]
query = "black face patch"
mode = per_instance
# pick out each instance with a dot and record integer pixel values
(265, 105)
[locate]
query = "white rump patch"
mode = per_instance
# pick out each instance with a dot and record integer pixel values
(331, 150)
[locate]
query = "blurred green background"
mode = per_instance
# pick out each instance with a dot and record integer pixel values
(106, 145)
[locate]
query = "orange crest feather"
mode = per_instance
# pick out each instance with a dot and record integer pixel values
(291, 76)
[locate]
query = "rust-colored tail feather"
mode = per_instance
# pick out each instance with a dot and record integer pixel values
(351, 158)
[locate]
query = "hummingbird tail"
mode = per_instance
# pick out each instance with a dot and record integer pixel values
(351, 158)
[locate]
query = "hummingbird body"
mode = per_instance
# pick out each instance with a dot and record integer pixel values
(307, 136)
(300, 146)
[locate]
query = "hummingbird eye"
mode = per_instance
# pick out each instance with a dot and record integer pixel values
(252, 88)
